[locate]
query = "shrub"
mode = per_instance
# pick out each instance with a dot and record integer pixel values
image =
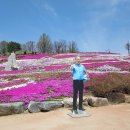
(103, 86)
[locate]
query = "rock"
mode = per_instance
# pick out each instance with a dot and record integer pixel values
(97, 102)
(50, 105)
(86, 97)
(85, 103)
(11, 64)
(115, 97)
(11, 108)
(44, 106)
(34, 107)
(68, 102)
(127, 98)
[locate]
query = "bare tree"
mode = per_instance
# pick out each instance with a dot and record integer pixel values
(30, 46)
(60, 46)
(72, 47)
(127, 46)
(56, 47)
(64, 46)
(24, 48)
(44, 44)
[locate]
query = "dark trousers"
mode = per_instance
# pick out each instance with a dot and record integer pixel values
(77, 87)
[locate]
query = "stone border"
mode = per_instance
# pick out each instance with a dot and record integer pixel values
(34, 107)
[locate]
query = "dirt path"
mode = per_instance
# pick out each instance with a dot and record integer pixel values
(112, 117)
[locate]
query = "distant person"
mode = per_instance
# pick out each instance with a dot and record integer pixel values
(78, 71)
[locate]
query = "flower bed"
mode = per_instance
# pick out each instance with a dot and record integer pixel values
(63, 56)
(37, 56)
(125, 66)
(89, 61)
(13, 72)
(55, 67)
(38, 91)
(55, 79)
(12, 83)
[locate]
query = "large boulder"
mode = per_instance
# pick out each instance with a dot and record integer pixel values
(115, 97)
(50, 105)
(11, 108)
(97, 102)
(44, 106)
(34, 107)
(68, 102)
(127, 98)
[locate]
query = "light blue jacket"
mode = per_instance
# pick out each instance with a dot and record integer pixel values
(78, 71)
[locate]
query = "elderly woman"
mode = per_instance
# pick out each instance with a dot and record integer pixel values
(78, 71)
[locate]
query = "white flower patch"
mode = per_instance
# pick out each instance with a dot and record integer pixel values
(108, 68)
(18, 86)
(96, 71)
(4, 80)
(63, 61)
(23, 64)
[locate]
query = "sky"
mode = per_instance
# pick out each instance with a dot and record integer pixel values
(95, 25)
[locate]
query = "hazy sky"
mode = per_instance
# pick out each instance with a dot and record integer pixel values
(96, 25)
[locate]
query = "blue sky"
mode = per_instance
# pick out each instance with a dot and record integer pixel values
(96, 25)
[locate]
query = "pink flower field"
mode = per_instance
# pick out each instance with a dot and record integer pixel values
(44, 77)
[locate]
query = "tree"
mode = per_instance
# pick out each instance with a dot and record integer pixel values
(127, 46)
(23, 47)
(3, 47)
(56, 47)
(13, 46)
(72, 47)
(60, 46)
(44, 44)
(30, 46)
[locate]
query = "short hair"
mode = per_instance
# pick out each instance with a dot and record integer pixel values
(77, 57)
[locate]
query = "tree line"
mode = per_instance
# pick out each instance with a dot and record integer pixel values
(44, 45)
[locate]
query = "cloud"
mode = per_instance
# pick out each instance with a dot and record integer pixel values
(50, 9)
(44, 6)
